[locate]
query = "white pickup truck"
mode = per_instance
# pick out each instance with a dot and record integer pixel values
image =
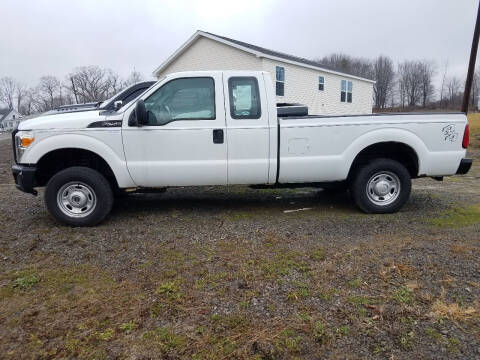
(222, 128)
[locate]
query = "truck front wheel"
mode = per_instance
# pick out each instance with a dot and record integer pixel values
(79, 196)
(381, 186)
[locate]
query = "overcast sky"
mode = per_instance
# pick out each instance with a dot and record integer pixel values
(51, 37)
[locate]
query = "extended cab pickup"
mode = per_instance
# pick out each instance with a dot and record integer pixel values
(222, 128)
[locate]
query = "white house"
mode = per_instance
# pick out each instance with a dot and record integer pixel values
(9, 119)
(296, 80)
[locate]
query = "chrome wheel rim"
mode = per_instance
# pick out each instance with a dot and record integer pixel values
(383, 188)
(76, 199)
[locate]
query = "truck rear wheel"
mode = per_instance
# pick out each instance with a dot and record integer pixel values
(79, 196)
(381, 186)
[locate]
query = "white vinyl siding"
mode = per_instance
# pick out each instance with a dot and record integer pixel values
(302, 85)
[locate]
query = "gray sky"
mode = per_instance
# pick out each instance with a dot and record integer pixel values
(41, 37)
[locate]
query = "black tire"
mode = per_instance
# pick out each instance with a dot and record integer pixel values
(362, 177)
(91, 180)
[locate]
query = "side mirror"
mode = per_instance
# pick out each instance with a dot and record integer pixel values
(141, 113)
(117, 105)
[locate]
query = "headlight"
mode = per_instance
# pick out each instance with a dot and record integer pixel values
(23, 139)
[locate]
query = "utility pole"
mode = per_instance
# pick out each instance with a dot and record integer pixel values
(74, 90)
(471, 65)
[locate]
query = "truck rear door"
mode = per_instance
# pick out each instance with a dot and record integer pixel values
(247, 128)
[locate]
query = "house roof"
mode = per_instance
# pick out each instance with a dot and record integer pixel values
(257, 51)
(4, 113)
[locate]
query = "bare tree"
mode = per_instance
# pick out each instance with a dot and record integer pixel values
(410, 82)
(30, 102)
(134, 78)
(384, 75)
(20, 93)
(453, 86)
(427, 71)
(348, 64)
(7, 91)
(113, 83)
(442, 88)
(89, 83)
(50, 92)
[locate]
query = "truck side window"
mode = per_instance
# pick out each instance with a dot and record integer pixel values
(182, 99)
(244, 98)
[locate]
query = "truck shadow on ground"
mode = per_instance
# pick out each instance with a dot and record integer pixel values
(245, 201)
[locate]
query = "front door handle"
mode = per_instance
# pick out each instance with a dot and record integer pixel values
(218, 136)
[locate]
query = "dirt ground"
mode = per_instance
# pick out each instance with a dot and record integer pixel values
(226, 273)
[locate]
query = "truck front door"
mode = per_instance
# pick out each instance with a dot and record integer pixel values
(183, 142)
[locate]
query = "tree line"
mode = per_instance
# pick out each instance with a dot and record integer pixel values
(84, 84)
(408, 84)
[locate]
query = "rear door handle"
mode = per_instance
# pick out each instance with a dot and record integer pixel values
(218, 136)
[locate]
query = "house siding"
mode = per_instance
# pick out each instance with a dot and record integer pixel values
(10, 121)
(301, 83)
(207, 54)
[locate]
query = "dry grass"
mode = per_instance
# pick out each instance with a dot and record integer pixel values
(453, 311)
(474, 123)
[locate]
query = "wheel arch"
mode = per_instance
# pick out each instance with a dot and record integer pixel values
(397, 144)
(59, 159)
(394, 150)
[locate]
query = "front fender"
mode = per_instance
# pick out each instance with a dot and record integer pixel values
(109, 148)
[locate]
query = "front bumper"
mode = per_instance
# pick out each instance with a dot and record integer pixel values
(464, 167)
(24, 178)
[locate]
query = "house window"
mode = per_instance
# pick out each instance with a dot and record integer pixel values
(321, 83)
(346, 91)
(280, 81)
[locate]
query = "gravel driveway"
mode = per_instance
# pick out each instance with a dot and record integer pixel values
(227, 273)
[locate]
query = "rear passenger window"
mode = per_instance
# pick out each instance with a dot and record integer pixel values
(244, 98)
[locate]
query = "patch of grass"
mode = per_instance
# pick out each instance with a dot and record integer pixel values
(343, 330)
(212, 280)
(25, 282)
(358, 300)
(300, 292)
(406, 340)
(170, 290)
(283, 263)
(319, 254)
(304, 317)
(320, 333)
(433, 333)
(106, 335)
(458, 217)
(453, 344)
(404, 295)
(327, 295)
(128, 327)
(289, 340)
(165, 339)
(355, 283)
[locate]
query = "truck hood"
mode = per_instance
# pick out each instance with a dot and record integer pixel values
(74, 120)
